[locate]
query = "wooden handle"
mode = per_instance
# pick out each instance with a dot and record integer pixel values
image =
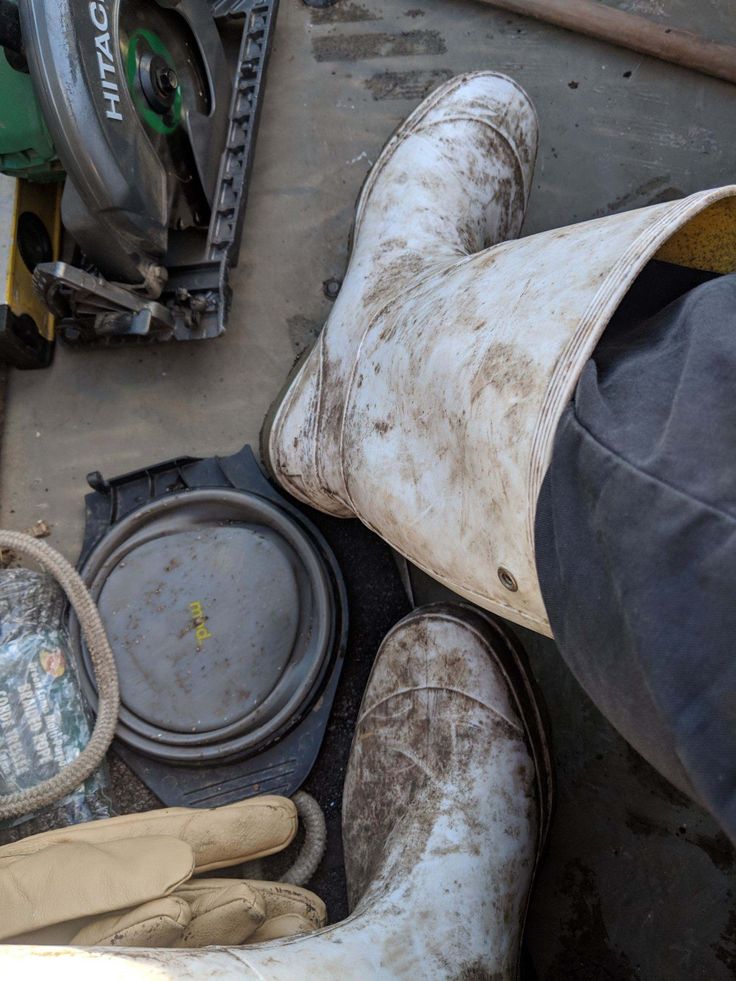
(631, 31)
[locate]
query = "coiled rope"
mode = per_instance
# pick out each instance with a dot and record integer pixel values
(106, 678)
(315, 840)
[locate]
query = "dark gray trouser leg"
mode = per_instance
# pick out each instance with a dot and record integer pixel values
(636, 531)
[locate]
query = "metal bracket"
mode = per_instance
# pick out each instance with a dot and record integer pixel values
(79, 299)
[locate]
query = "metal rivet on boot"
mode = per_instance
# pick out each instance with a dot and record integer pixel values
(507, 580)
(331, 287)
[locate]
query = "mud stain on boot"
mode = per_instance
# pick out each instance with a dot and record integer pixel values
(406, 85)
(356, 47)
(477, 972)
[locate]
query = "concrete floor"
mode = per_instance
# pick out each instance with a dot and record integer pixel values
(637, 883)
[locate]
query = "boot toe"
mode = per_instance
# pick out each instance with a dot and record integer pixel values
(498, 102)
(441, 731)
(441, 650)
(476, 135)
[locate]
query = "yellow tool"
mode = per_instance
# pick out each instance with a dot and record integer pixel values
(30, 232)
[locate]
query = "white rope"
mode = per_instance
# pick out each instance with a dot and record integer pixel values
(106, 678)
(315, 840)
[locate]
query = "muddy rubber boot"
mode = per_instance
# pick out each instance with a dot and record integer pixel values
(429, 405)
(446, 807)
(447, 798)
(453, 179)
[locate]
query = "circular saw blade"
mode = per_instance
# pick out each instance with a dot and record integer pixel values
(151, 35)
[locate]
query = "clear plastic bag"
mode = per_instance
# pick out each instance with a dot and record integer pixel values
(44, 721)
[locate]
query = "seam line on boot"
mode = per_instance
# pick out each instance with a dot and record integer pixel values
(468, 118)
(459, 691)
(412, 125)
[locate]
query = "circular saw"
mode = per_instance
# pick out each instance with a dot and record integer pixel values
(147, 109)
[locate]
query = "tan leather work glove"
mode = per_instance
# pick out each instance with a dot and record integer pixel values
(127, 881)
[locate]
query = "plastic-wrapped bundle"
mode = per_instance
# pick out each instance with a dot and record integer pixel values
(43, 718)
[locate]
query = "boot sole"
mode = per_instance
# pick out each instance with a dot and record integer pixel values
(386, 152)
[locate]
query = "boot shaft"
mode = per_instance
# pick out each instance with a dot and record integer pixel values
(452, 405)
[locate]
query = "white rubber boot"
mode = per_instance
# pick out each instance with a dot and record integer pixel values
(429, 405)
(446, 805)
(454, 178)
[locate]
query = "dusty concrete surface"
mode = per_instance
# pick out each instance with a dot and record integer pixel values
(617, 131)
(638, 883)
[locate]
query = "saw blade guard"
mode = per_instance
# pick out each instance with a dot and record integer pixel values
(135, 94)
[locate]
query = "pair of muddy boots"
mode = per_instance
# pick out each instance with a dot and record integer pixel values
(447, 794)
(427, 409)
